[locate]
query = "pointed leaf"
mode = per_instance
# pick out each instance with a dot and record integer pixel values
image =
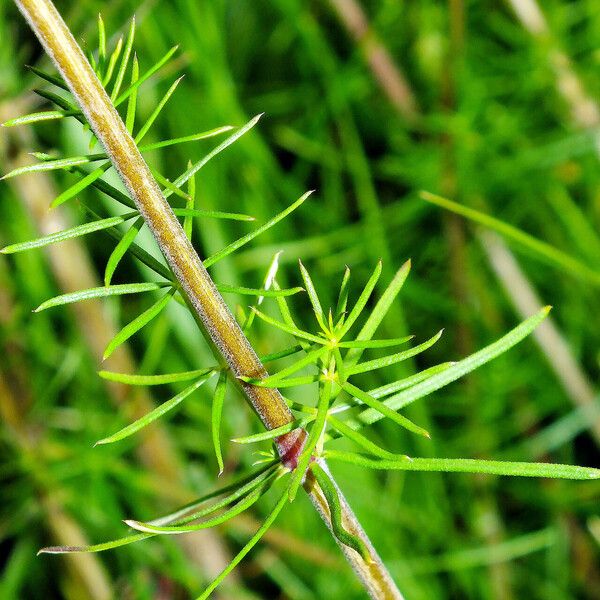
(216, 413)
(188, 138)
(36, 117)
(101, 292)
(211, 260)
(312, 294)
(132, 379)
(158, 412)
(244, 291)
(120, 249)
(67, 234)
(288, 329)
(80, 185)
(124, 61)
(138, 323)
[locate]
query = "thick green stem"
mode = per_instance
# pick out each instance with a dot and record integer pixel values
(203, 297)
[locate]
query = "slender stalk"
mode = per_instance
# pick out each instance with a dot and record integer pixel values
(210, 309)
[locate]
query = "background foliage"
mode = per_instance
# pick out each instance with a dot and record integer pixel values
(499, 130)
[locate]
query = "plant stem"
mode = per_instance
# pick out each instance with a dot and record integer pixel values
(218, 323)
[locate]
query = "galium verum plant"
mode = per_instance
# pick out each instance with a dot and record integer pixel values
(328, 358)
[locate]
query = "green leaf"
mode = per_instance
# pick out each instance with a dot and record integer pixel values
(72, 191)
(136, 84)
(139, 322)
(188, 138)
(316, 431)
(132, 102)
(375, 343)
(112, 62)
(288, 329)
(309, 359)
(158, 412)
(222, 146)
(101, 43)
(190, 204)
(273, 433)
(132, 379)
(216, 414)
(382, 408)
(49, 77)
(342, 302)
(150, 121)
(235, 510)
(335, 510)
(51, 165)
(242, 553)
(466, 465)
(129, 539)
(378, 313)
(361, 302)
(461, 368)
(391, 359)
(211, 260)
(212, 214)
(101, 292)
(312, 294)
(282, 383)
(36, 117)
(67, 234)
(124, 61)
(538, 247)
(406, 382)
(244, 291)
(121, 248)
(361, 440)
(265, 358)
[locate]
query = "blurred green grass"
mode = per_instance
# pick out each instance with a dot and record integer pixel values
(495, 134)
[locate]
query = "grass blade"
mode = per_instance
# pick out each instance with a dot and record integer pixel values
(538, 247)
(138, 323)
(158, 412)
(211, 260)
(101, 292)
(67, 234)
(467, 465)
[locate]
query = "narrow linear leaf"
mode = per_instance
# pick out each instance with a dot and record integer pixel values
(101, 292)
(150, 121)
(342, 302)
(283, 383)
(132, 101)
(124, 61)
(78, 187)
(51, 165)
(265, 358)
(272, 433)
(188, 138)
(67, 234)
(121, 249)
(362, 301)
(211, 260)
(313, 296)
(461, 368)
(222, 146)
(467, 465)
(216, 414)
(268, 282)
(190, 204)
(316, 431)
(36, 117)
(49, 77)
(287, 328)
(235, 510)
(167, 378)
(130, 539)
(158, 412)
(378, 313)
(136, 84)
(245, 291)
(335, 510)
(392, 359)
(112, 62)
(242, 553)
(375, 343)
(361, 440)
(309, 359)
(211, 214)
(540, 248)
(138, 323)
(385, 410)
